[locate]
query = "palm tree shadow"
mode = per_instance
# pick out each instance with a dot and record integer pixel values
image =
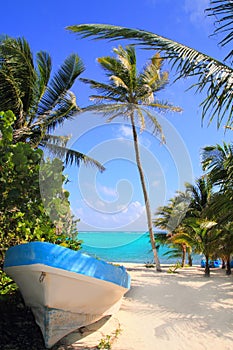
(187, 305)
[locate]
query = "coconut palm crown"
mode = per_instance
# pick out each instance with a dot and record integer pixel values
(130, 92)
(40, 102)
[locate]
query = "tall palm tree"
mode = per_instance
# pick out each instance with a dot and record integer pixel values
(212, 76)
(40, 102)
(132, 95)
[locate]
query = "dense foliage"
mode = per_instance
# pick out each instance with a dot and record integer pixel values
(200, 218)
(40, 100)
(23, 217)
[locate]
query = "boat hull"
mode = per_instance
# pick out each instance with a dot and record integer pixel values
(63, 300)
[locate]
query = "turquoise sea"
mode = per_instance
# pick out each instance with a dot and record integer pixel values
(124, 247)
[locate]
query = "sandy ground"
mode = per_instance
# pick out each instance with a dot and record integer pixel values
(165, 311)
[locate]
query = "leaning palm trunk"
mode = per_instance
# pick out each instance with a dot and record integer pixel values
(147, 203)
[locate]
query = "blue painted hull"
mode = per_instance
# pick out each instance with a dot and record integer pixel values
(212, 263)
(65, 289)
(63, 258)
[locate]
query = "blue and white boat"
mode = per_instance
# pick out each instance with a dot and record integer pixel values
(65, 289)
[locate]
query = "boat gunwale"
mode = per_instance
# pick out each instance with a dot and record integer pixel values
(66, 273)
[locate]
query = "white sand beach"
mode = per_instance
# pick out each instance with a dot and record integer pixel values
(163, 311)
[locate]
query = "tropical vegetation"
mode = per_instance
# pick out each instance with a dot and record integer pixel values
(34, 205)
(40, 102)
(200, 218)
(34, 103)
(23, 217)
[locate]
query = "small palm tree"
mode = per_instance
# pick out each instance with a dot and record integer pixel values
(225, 247)
(217, 161)
(191, 204)
(212, 76)
(203, 236)
(169, 218)
(40, 102)
(132, 96)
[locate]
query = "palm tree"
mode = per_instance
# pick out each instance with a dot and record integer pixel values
(203, 236)
(39, 102)
(190, 204)
(217, 161)
(212, 76)
(132, 96)
(225, 247)
(169, 218)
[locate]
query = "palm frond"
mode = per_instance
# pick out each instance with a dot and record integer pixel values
(110, 92)
(119, 82)
(213, 76)
(70, 156)
(10, 94)
(17, 60)
(65, 109)
(141, 119)
(123, 66)
(44, 66)
(56, 140)
(128, 58)
(60, 84)
(218, 162)
(151, 74)
(165, 106)
(152, 122)
(110, 65)
(224, 23)
(110, 110)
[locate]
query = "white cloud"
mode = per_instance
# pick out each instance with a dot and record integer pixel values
(156, 183)
(108, 191)
(129, 217)
(195, 9)
(125, 131)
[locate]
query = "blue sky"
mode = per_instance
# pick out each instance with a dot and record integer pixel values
(113, 200)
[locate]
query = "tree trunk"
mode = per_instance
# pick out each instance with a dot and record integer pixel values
(183, 254)
(223, 264)
(190, 259)
(207, 268)
(146, 199)
(228, 264)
